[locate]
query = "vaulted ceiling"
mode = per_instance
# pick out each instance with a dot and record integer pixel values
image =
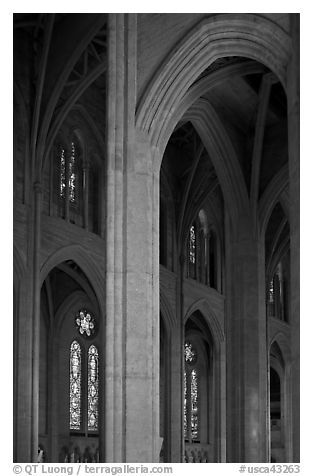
(250, 105)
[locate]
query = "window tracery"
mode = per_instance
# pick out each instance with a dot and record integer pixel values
(85, 323)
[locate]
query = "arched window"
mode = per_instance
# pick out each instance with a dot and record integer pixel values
(68, 181)
(192, 251)
(202, 253)
(93, 388)
(76, 185)
(278, 408)
(200, 392)
(84, 377)
(62, 174)
(276, 296)
(73, 175)
(191, 394)
(75, 386)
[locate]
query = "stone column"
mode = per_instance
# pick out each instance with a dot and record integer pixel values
(246, 345)
(27, 339)
(220, 366)
(36, 320)
(142, 298)
(293, 98)
(114, 444)
(23, 377)
(132, 277)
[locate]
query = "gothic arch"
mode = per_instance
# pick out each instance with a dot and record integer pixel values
(60, 340)
(85, 30)
(85, 122)
(281, 341)
(218, 36)
(218, 373)
(222, 35)
(203, 85)
(210, 318)
(77, 254)
(222, 154)
(280, 360)
(90, 124)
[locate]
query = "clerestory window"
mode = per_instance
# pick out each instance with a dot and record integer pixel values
(76, 185)
(277, 295)
(202, 253)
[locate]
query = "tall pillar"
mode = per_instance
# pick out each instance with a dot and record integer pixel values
(23, 377)
(132, 294)
(36, 321)
(293, 98)
(142, 301)
(246, 346)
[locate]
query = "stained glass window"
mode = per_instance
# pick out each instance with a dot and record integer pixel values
(62, 173)
(192, 245)
(68, 174)
(276, 299)
(271, 291)
(194, 404)
(191, 394)
(75, 386)
(72, 180)
(190, 353)
(85, 323)
(93, 388)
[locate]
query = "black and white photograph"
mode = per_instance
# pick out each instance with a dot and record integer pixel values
(156, 240)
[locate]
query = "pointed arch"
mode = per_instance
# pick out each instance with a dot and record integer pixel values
(205, 328)
(222, 154)
(78, 254)
(280, 361)
(221, 35)
(87, 120)
(210, 318)
(281, 340)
